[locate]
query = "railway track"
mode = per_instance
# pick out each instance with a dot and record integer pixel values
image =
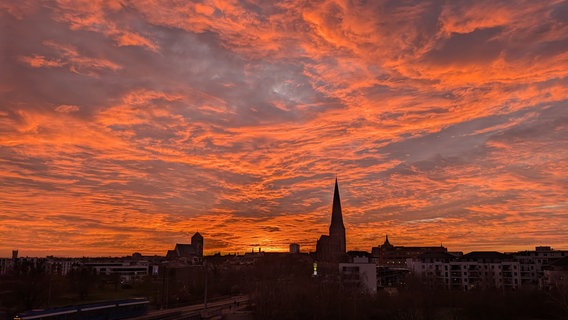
(215, 309)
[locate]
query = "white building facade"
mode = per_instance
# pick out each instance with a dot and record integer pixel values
(488, 269)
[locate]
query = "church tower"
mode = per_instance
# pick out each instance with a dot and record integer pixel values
(337, 229)
(197, 244)
(332, 247)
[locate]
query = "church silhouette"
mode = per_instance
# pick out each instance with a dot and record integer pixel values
(332, 247)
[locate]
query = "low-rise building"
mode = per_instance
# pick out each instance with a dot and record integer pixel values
(556, 275)
(534, 262)
(488, 269)
(475, 270)
(6, 264)
(126, 270)
(388, 255)
(360, 272)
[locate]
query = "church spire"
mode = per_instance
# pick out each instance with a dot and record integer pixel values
(332, 247)
(337, 229)
(336, 215)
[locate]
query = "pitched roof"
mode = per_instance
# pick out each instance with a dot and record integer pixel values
(185, 250)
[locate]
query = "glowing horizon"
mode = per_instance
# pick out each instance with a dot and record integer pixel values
(126, 126)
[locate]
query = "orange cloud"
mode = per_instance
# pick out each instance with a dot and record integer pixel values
(93, 16)
(65, 108)
(443, 121)
(40, 61)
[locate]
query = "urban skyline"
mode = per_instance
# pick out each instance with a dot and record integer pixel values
(128, 126)
(326, 249)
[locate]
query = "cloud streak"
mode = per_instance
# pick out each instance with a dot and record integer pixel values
(127, 126)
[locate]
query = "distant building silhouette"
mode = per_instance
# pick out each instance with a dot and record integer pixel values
(332, 247)
(294, 248)
(197, 243)
(191, 253)
(396, 256)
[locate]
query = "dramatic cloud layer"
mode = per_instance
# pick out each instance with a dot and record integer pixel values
(128, 125)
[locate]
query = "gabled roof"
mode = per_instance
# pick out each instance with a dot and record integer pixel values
(185, 250)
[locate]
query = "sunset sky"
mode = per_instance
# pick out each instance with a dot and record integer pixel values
(126, 126)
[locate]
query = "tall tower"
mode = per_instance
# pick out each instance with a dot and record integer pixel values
(331, 248)
(337, 229)
(197, 243)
